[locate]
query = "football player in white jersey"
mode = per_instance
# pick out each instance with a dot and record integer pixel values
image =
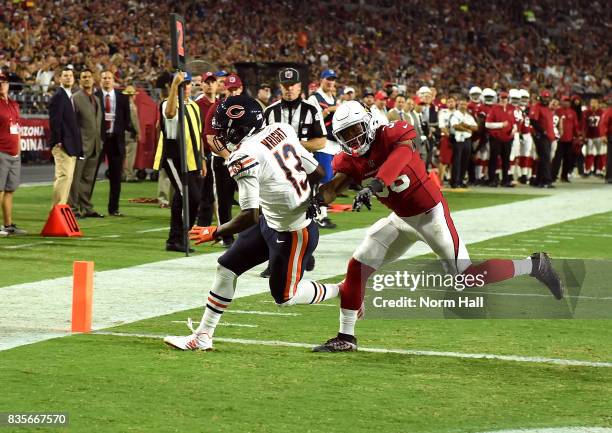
(273, 171)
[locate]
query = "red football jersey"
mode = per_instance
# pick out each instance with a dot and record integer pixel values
(412, 192)
(592, 123)
(525, 127)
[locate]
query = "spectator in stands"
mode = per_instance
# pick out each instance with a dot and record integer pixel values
(132, 139)
(44, 76)
(89, 120)
(10, 157)
(348, 94)
(65, 139)
(398, 112)
(368, 97)
(263, 95)
(116, 123)
(379, 109)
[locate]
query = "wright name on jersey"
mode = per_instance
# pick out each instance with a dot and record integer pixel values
(270, 168)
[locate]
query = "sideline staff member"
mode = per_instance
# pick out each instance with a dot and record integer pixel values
(168, 155)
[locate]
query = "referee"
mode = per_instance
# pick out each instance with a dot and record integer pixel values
(301, 115)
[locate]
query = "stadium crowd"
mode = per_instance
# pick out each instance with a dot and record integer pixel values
(560, 45)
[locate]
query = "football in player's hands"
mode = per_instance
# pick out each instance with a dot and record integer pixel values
(363, 198)
(203, 234)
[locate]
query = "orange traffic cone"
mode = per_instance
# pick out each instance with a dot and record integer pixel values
(61, 223)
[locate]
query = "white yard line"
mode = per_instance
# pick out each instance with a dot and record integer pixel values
(153, 289)
(222, 323)
(513, 358)
(262, 313)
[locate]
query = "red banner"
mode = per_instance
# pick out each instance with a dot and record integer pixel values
(35, 135)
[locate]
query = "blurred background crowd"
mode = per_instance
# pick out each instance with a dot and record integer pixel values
(453, 45)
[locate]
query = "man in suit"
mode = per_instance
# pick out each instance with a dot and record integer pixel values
(131, 146)
(89, 118)
(115, 122)
(65, 137)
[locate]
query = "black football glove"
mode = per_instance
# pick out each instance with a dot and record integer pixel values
(363, 198)
(314, 203)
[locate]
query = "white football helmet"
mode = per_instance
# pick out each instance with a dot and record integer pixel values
(475, 93)
(524, 97)
(354, 128)
(515, 96)
(423, 90)
(489, 96)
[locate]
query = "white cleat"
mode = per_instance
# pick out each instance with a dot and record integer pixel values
(190, 342)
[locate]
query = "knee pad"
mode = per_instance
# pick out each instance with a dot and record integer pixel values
(373, 248)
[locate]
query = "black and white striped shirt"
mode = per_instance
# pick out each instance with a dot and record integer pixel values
(303, 117)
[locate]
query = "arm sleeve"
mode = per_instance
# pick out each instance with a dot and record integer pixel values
(170, 125)
(55, 120)
(396, 161)
(248, 192)
(341, 164)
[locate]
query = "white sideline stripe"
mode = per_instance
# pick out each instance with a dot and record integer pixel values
(158, 229)
(15, 247)
(262, 313)
(514, 358)
(155, 289)
(557, 430)
(239, 325)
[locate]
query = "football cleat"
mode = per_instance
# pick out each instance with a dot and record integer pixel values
(340, 343)
(190, 342)
(543, 271)
(325, 223)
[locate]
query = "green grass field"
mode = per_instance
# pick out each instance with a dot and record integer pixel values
(111, 383)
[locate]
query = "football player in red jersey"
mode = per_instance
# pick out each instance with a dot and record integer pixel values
(596, 149)
(383, 159)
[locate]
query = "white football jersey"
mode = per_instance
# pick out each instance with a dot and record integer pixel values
(270, 168)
